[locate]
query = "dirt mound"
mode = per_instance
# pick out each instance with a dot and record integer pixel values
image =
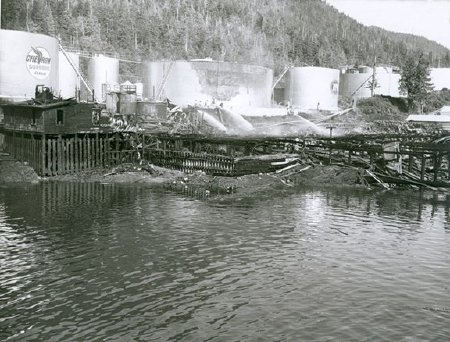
(329, 175)
(12, 171)
(124, 173)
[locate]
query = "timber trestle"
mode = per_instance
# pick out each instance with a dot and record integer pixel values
(51, 155)
(426, 156)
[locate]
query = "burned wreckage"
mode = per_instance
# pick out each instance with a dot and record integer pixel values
(57, 136)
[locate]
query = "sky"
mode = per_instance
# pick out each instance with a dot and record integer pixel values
(427, 18)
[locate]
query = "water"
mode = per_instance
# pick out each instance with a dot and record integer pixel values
(83, 262)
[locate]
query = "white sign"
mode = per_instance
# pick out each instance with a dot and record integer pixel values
(39, 63)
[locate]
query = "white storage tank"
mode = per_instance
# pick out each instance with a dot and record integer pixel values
(381, 70)
(102, 70)
(139, 90)
(69, 81)
(364, 69)
(355, 85)
(206, 81)
(358, 84)
(440, 77)
(153, 75)
(387, 84)
(26, 60)
(310, 88)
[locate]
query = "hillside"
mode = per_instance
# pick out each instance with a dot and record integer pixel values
(273, 33)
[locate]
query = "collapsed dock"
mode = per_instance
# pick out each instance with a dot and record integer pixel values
(57, 137)
(390, 159)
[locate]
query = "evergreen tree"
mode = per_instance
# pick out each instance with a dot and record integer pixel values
(415, 81)
(273, 33)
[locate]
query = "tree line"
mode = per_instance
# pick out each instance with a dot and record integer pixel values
(273, 33)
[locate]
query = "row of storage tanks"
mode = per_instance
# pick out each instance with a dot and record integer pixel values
(29, 59)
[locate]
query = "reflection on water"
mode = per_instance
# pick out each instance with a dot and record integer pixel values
(92, 261)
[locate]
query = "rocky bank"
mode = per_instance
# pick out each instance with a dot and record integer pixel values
(199, 184)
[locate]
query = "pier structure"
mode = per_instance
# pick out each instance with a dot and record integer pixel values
(410, 158)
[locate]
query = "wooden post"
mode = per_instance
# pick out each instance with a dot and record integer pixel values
(410, 162)
(330, 152)
(85, 153)
(448, 166)
(101, 153)
(20, 149)
(422, 167)
(97, 151)
(89, 152)
(49, 157)
(43, 154)
(116, 147)
(66, 155)
(81, 161)
(107, 150)
(60, 158)
(54, 156)
(36, 154)
(75, 152)
(69, 155)
(143, 147)
(435, 166)
(32, 152)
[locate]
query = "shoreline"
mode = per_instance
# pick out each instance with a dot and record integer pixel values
(197, 184)
(201, 186)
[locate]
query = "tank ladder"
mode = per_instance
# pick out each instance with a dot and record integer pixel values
(77, 71)
(164, 81)
(362, 85)
(286, 69)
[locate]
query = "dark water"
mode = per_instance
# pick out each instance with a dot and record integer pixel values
(83, 262)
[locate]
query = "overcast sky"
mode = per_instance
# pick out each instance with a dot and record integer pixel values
(428, 18)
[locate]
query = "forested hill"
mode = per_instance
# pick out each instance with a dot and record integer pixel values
(274, 33)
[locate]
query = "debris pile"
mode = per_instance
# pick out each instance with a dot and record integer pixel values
(12, 171)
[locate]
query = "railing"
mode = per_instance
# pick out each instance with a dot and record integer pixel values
(189, 162)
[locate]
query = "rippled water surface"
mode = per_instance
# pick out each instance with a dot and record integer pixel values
(82, 262)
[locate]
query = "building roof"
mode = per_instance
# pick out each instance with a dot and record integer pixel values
(42, 106)
(429, 118)
(445, 110)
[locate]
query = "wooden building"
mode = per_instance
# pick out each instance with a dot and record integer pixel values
(57, 136)
(59, 117)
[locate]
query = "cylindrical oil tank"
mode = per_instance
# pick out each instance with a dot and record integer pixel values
(127, 103)
(312, 88)
(139, 90)
(440, 77)
(102, 70)
(359, 85)
(26, 60)
(383, 70)
(69, 81)
(355, 85)
(206, 82)
(152, 110)
(112, 101)
(387, 84)
(364, 69)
